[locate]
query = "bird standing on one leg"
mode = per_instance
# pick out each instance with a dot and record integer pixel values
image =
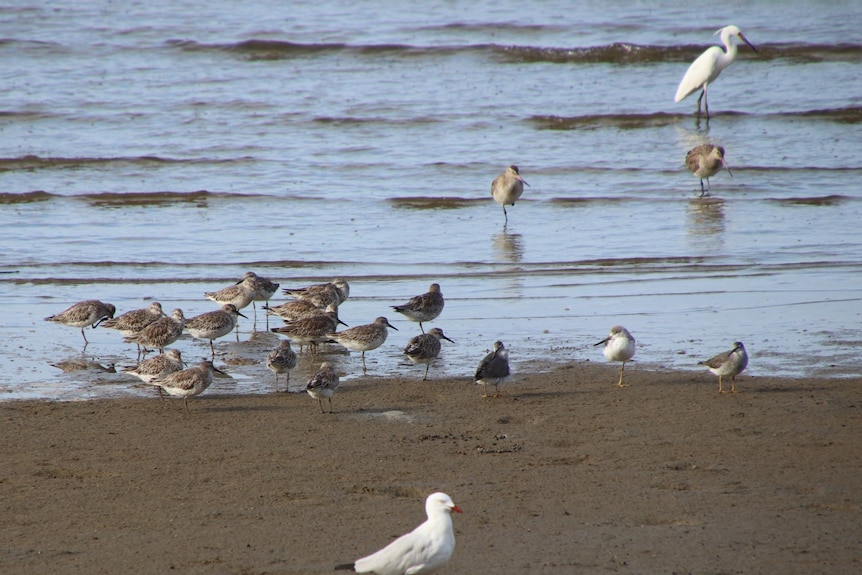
(507, 188)
(619, 346)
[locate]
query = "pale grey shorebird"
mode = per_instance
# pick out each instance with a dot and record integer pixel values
(619, 346)
(364, 337)
(88, 312)
(323, 384)
(507, 188)
(426, 549)
(730, 363)
(323, 295)
(310, 330)
(423, 307)
(214, 324)
(161, 333)
(494, 368)
(705, 161)
(281, 360)
(239, 294)
(706, 68)
(263, 288)
(131, 322)
(157, 366)
(425, 347)
(188, 382)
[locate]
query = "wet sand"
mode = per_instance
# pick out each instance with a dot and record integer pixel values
(565, 474)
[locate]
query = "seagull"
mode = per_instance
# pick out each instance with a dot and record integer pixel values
(507, 188)
(706, 68)
(619, 346)
(493, 368)
(426, 549)
(730, 363)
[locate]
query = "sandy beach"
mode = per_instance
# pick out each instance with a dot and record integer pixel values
(564, 474)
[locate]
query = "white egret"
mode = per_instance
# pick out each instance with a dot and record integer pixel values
(706, 68)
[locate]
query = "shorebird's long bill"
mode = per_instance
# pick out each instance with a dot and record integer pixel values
(522, 180)
(726, 167)
(744, 39)
(606, 340)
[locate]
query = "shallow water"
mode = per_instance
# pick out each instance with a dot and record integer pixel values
(156, 153)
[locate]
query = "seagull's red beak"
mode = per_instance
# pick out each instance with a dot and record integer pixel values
(457, 509)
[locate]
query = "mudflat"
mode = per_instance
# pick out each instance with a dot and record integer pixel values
(566, 473)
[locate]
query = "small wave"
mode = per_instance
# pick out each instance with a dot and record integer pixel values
(26, 198)
(830, 200)
(346, 121)
(31, 162)
(848, 115)
(597, 121)
(434, 203)
(627, 53)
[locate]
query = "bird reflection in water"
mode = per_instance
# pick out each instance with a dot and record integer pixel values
(705, 219)
(508, 247)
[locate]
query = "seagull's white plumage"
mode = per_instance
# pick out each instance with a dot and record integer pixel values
(426, 549)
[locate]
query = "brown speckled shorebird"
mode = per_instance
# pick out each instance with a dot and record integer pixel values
(323, 384)
(423, 307)
(730, 363)
(364, 337)
(134, 321)
(310, 330)
(88, 312)
(323, 295)
(294, 309)
(281, 360)
(494, 368)
(188, 382)
(425, 348)
(157, 366)
(705, 161)
(161, 333)
(214, 324)
(507, 188)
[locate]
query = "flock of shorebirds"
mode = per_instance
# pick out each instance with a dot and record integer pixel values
(311, 317)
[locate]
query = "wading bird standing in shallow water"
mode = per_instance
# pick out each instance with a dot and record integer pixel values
(706, 68)
(507, 188)
(619, 346)
(730, 363)
(88, 312)
(424, 307)
(705, 161)
(493, 368)
(424, 550)
(424, 348)
(364, 337)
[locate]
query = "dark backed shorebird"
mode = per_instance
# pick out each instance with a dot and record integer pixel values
(281, 360)
(493, 368)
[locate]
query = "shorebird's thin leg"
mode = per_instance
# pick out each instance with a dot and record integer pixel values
(620, 383)
(719, 385)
